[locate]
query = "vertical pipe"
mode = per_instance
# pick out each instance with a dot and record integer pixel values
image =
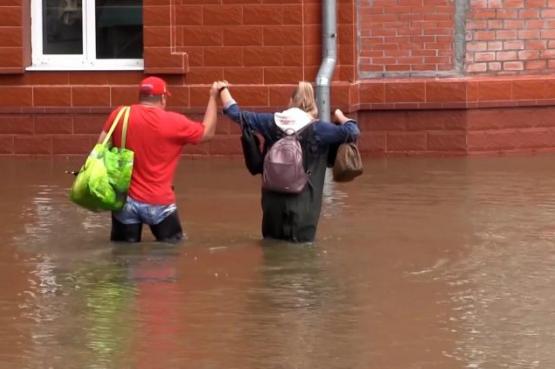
(461, 8)
(329, 58)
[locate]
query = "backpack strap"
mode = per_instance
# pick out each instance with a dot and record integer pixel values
(306, 128)
(115, 123)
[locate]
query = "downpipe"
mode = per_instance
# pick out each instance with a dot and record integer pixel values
(329, 58)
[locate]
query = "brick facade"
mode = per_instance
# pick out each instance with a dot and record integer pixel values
(406, 36)
(14, 36)
(433, 77)
(510, 37)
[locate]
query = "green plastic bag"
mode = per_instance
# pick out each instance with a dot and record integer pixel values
(104, 179)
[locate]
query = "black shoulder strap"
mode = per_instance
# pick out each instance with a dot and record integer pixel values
(241, 120)
(305, 128)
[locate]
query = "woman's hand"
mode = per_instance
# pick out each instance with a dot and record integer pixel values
(339, 117)
(223, 92)
(222, 85)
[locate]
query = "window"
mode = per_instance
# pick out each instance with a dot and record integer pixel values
(87, 35)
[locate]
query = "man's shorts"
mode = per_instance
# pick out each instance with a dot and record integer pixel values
(163, 221)
(139, 212)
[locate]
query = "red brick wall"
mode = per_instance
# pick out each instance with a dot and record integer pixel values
(160, 39)
(263, 48)
(415, 132)
(260, 43)
(458, 132)
(12, 45)
(406, 36)
(457, 116)
(61, 133)
(511, 37)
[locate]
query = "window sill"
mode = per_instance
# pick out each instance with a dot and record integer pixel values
(84, 68)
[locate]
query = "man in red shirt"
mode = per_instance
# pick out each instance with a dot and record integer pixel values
(157, 138)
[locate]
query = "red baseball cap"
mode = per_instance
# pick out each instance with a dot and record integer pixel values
(154, 86)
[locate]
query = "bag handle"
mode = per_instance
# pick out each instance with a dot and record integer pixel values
(124, 129)
(114, 124)
(349, 135)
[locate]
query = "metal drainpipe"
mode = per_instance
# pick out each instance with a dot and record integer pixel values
(329, 58)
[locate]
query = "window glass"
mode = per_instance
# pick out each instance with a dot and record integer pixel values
(119, 29)
(86, 35)
(62, 27)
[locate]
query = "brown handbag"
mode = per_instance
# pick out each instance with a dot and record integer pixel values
(348, 163)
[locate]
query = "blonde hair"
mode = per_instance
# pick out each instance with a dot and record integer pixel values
(303, 98)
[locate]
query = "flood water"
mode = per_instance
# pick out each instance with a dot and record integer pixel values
(419, 264)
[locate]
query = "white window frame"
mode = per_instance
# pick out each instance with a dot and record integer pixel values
(85, 61)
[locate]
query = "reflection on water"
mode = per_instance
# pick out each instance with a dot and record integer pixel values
(503, 309)
(419, 263)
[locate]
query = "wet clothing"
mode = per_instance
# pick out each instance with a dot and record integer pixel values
(168, 230)
(294, 217)
(139, 212)
(156, 137)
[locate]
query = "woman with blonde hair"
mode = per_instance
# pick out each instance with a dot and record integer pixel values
(286, 216)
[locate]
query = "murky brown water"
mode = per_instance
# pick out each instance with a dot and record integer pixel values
(421, 263)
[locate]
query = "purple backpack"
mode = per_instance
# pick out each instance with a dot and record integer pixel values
(283, 165)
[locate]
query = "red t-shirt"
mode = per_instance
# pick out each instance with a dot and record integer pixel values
(157, 138)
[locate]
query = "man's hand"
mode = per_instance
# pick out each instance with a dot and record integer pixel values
(214, 89)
